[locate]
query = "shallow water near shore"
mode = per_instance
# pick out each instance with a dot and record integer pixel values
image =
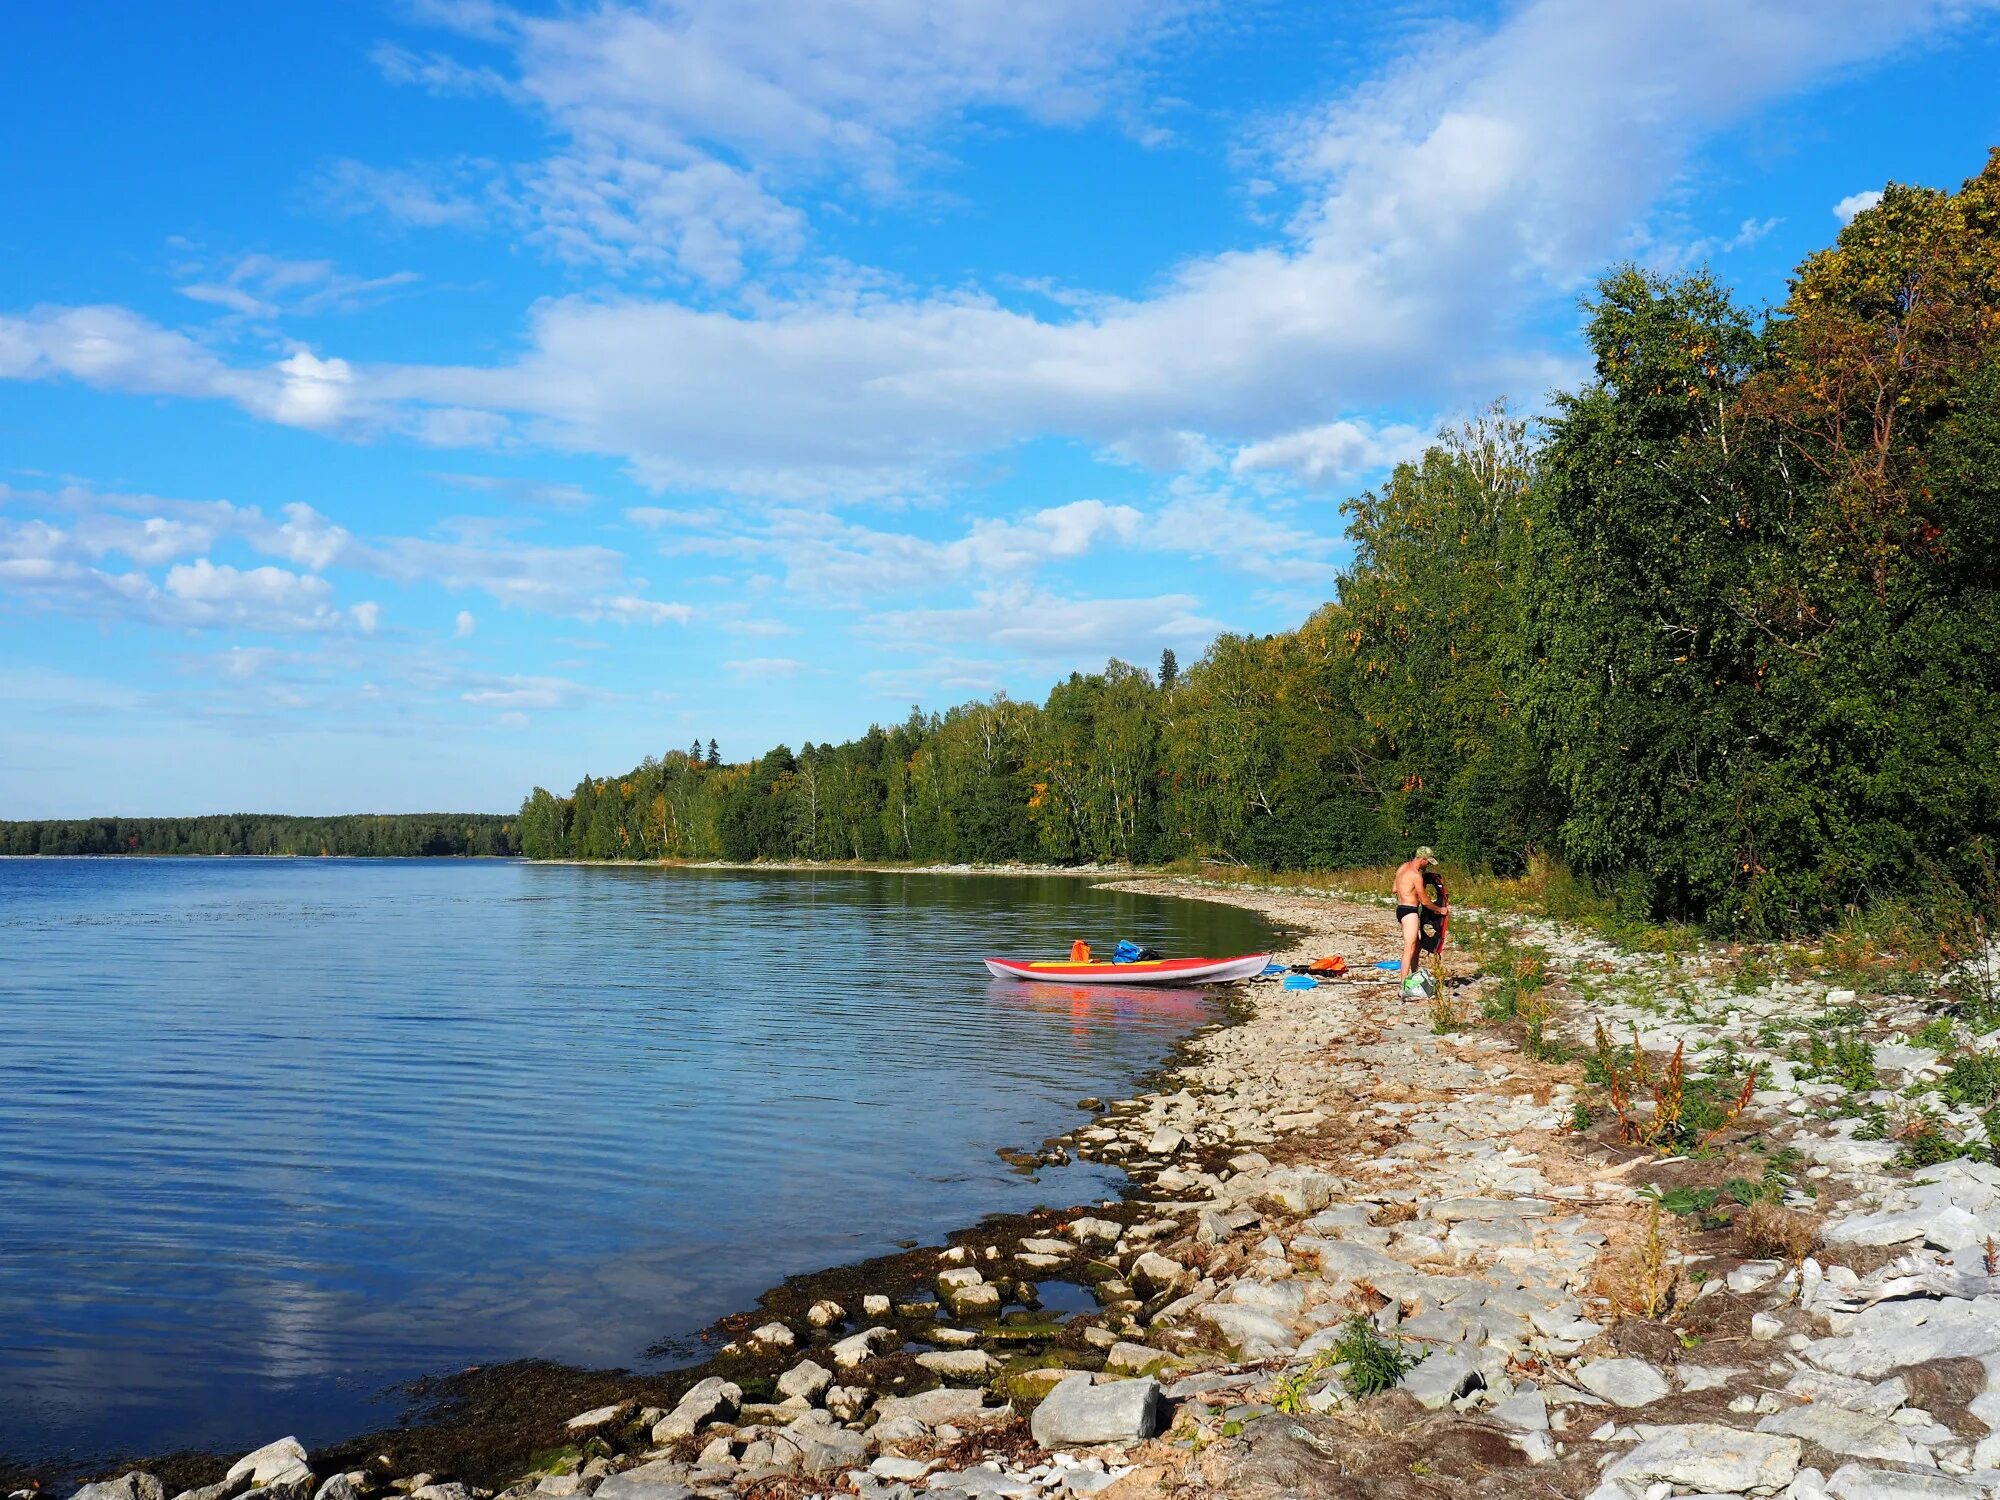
(278, 1135)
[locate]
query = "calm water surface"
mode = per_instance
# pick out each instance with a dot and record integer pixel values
(277, 1135)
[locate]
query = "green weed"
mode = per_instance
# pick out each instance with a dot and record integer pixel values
(1374, 1364)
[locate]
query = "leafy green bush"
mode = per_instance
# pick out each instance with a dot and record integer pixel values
(1374, 1364)
(1844, 1057)
(1974, 1079)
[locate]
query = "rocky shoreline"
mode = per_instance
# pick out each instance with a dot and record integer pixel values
(1596, 1223)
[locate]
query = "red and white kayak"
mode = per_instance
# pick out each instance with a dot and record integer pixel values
(1147, 971)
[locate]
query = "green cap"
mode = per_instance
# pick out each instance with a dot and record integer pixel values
(1425, 851)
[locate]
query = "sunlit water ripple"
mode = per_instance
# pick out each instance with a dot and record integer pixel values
(276, 1135)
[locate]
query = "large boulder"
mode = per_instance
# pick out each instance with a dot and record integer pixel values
(1154, 1274)
(1257, 1334)
(1441, 1379)
(1304, 1190)
(1088, 1231)
(1851, 1434)
(859, 1348)
(133, 1486)
(826, 1449)
(1080, 1412)
(663, 1479)
(972, 1365)
(599, 1418)
(808, 1380)
(905, 1419)
(1705, 1457)
(1855, 1482)
(1623, 1382)
(268, 1462)
(1891, 1335)
(710, 1400)
(278, 1471)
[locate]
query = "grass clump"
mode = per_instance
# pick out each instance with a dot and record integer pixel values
(1374, 1364)
(1770, 1231)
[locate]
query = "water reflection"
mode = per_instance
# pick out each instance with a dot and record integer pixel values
(1090, 1006)
(285, 1132)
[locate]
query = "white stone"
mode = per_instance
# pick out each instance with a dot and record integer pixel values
(1702, 1456)
(808, 1379)
(1753, 1274)
(1081, 1412)
(859, 1348)
(711, 1400)
(1893, 1334)
(267, 1463)
(1623, 1382)
(1441, 1379)
(1851, 1434)
(1088, 1231)
(959, 1364)
(1257, 1334)
(1853, 1482)
(1704, 1377)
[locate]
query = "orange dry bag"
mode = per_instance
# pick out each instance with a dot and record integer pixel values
(1079, 952)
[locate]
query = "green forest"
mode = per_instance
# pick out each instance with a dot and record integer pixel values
(1718, 634)
(382, 835)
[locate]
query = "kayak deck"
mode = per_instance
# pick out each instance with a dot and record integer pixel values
(1146, 971)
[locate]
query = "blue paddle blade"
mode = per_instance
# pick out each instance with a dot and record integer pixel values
(1390, 963)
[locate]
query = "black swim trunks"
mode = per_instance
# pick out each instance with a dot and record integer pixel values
(1408, 911)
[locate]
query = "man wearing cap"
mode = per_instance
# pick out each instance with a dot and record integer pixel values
(1412, 901)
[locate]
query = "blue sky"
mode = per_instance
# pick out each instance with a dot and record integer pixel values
(402, 404)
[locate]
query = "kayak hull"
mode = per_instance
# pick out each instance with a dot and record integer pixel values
(1155, 971)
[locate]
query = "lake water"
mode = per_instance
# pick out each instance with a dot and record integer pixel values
(277, 1135)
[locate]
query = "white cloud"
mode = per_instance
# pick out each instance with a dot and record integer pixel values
(1446, 203)
(257, 598)
(679, 124)
(765, 667)
(261, 287)
(1045, 627)
(1856, 203)
(305, 537)
(530, 492)
(627, 610)
(1334, 453)
(46, 566)
(465, 624)
(367, 616)
(586, 583)
(416, 198)
(313, 392)
(113, 348)
(232, 298)
(519, 692)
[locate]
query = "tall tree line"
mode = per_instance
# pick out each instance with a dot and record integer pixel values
(382, 835)
(1721, 633)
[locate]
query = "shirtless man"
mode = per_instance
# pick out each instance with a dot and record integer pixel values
(1412, 900)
